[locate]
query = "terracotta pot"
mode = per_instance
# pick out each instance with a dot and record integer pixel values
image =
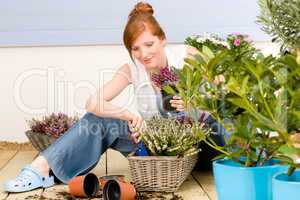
(119, 190)
(84, 186)
(104, 179)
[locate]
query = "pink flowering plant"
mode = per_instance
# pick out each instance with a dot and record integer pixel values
(53, 125)
(236, 46)
(210, 40)
(240, 45)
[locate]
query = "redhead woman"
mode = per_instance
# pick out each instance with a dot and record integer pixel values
(106, 125)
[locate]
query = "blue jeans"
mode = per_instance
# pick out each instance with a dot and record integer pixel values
(80, 148)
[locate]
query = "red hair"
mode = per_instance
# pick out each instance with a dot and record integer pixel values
(140, 19)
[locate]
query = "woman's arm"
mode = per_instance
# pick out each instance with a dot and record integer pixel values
(99, 104)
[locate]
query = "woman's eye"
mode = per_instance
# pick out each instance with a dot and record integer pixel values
(149, 44)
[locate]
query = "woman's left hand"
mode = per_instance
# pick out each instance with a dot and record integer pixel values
(177, 103)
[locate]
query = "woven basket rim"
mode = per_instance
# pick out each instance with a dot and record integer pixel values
(158, 157)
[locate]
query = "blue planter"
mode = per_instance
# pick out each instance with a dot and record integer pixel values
(286, 187)
(236, 182)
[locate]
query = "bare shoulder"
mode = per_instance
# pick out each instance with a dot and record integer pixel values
(191, 51)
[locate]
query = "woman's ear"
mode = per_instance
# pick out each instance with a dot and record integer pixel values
(163, 42)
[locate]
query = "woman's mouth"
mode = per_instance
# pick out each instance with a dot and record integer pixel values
(148, 60)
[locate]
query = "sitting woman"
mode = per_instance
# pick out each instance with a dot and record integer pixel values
(106, 125)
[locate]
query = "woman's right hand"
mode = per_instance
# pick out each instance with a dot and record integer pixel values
(136, 125)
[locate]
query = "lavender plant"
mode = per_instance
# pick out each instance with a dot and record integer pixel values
(53, 125)
(169, 137)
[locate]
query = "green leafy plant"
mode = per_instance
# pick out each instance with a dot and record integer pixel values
(259, 105)
(170, 137)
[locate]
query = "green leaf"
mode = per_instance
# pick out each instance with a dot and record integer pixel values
(219, 157)
(234, 86)
(214, 62)
(200, 59)
(189, 76)
(169, 90)
(281, 107)
(192, 62)
(244, 88)
(208, 52)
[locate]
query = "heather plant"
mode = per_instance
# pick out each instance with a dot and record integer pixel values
(166, 76)
(53, 125)
(170, 137)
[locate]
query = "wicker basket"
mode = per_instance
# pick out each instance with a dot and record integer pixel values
(39, 141)
(160, 173)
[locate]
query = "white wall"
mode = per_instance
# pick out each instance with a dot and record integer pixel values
(36, 81)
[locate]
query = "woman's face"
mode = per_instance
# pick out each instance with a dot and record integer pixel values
(148, 49)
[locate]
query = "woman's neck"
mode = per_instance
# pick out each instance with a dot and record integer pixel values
(163, 64)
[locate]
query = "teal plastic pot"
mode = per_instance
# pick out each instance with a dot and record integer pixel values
(286, 187)
(236, 182)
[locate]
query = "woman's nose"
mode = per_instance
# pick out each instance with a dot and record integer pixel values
(144, 53)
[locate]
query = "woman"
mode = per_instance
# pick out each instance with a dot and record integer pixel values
(106, 125)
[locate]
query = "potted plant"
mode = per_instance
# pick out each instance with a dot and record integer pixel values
(275, 18)
(43, 132)
(254, 104)
(167, 76)
(172, 148)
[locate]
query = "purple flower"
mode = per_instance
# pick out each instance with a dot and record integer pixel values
(54, 124)
(236, 42)
(165, 77)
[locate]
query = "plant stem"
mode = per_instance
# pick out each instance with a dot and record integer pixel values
(216, 147)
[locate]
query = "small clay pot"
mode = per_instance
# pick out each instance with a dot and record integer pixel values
(119, 190)
(84, 186)
(104, 179)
